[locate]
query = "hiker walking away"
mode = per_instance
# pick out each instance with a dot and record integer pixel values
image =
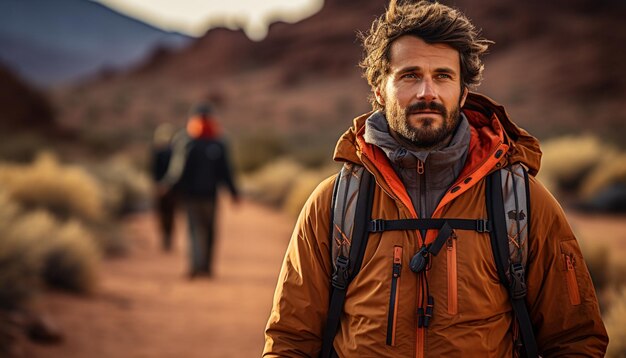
(199, 166)
(165, 199)
(438, 240)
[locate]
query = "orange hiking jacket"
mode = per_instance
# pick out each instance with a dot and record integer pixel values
(472, 311)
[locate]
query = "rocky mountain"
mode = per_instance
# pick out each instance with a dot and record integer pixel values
(53, 42)
(557, 66)
(22, 107)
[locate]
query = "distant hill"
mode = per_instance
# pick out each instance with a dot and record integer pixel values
(22, 106)
(556, 66)
(54, 42)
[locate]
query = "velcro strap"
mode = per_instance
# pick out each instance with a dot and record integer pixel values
(379, 225)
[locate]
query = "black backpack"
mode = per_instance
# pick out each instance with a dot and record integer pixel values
(508, 213)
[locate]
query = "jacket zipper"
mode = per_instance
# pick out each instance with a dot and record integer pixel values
(422, 196)
(419, 345)
(453, 304)
(421, 331)
(422, 189)
(393, 296)
(419, 342)
(572, 283)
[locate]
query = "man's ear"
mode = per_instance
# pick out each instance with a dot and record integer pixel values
(463, 96)
(379, 96)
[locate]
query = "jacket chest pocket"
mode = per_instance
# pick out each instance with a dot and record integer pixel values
(392, 315)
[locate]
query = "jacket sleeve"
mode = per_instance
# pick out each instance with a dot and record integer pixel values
(301, 299)
(226, 171)
(561, 297)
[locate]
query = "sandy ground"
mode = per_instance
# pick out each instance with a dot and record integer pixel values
(146, 307)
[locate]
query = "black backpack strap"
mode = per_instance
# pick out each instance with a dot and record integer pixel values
(479, 225)
(348, 244)
(511, 272)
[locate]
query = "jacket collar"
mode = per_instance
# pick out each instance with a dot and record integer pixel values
(490, 126)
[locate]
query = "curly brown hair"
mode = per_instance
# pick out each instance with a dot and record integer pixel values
(433, 23)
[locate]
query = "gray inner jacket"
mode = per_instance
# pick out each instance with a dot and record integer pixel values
(441, 166)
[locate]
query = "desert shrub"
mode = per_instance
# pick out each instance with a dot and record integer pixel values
(618, 273)
(125, 187)
(66, 254)
(612, 170)
(271, 184)
(104, 142)
(251, 152)
(35, 248)
(615, 322)
(567, 160)
(21, 147)
(304, 185)
(65, 190)
(71, 259)
(312, 151)
(598, 262)
(19, 263)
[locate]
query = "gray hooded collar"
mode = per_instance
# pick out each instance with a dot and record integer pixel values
(441, 166)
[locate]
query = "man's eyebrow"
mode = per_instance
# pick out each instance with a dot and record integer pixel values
(419, 69)
(445, 70)
(409, 69)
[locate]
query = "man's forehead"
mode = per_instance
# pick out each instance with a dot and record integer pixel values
(409, 50)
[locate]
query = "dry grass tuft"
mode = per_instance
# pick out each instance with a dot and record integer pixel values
(63, 254)
(65, 190)
(253, 151)
(125, 187)
(21, 147)
(567, 160)
(271, 184)
(71, 260)
(597, 257)
(615, 321)
(611, 171)
(303, 187)
(19, 263)
(35, 247)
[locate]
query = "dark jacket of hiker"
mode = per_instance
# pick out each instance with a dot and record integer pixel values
(472, 311)
(206, 164)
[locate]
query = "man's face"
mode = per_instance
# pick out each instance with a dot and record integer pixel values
(422, 92)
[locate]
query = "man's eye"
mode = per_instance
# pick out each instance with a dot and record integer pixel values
(444, 76)
(409, 75)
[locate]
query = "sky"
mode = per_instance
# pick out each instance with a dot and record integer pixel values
(194, 17)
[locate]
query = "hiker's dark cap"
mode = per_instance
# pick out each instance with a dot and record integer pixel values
(202, 109)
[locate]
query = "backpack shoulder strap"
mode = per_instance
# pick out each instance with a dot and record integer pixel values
(352, 198)
(508, 204)
(176, 165)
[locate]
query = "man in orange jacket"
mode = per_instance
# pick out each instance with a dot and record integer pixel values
(430, 144)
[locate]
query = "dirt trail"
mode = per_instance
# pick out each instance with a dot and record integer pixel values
(146, 307)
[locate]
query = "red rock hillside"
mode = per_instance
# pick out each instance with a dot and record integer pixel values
(557, 66)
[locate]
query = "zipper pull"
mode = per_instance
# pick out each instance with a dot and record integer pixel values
(429, 311)
(420, 167)
(569, 262)
(397, 261)
(420, 317)
(449, 242)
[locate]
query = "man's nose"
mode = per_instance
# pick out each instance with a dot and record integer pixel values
(426, 90)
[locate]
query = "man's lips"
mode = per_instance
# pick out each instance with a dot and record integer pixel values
(426, 112)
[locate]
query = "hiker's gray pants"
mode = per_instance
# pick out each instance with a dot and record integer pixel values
(201, 222)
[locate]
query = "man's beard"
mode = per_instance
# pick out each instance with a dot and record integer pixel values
(427, 136)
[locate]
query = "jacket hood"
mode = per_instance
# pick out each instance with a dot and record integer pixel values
(490, 125)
